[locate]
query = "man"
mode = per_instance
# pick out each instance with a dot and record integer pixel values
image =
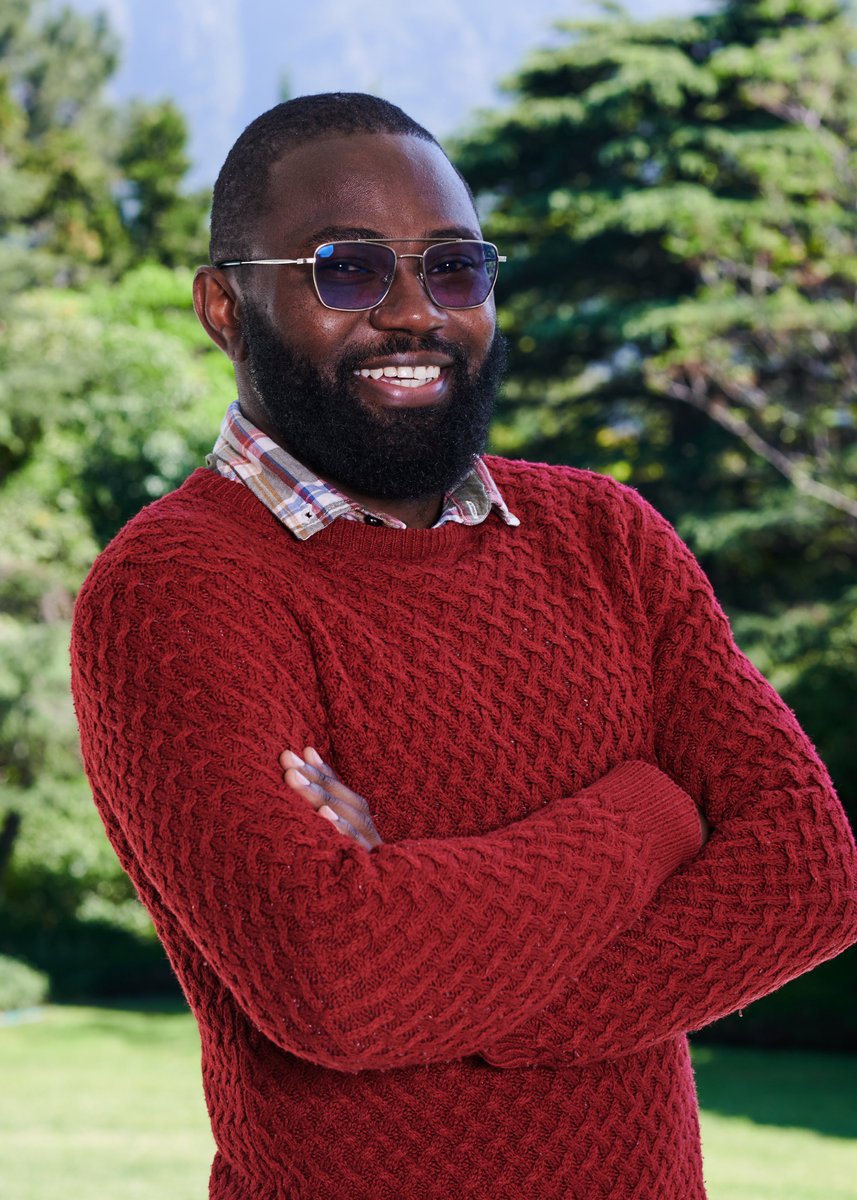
(456, 951)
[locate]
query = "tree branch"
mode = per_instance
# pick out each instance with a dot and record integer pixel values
(697, 394)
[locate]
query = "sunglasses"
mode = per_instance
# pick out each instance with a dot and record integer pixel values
(358, 275)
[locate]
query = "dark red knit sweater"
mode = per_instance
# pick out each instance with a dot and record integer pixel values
(493, 1003)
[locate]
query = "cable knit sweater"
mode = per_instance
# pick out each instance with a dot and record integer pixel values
(494, 1002)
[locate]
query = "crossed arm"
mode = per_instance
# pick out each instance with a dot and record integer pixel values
(716, 938)
(774, 893)
(423, 950)
(349, 813)
(590, 927)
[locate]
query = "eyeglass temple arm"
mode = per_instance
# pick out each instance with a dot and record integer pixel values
(299, 262)
(265, 262)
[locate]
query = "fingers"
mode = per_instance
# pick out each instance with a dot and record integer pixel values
(322, 786)
(312, 756)
(344, 826)
(319, 784)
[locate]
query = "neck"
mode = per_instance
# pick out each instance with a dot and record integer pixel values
(416, 514)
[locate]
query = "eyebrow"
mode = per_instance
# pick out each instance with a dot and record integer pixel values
(340, 233)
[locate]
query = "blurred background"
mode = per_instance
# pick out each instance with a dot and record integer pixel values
(675, 186)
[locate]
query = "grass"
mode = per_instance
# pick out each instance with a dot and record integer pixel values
(103, 1104)
(778, 1125)
(107, 1104)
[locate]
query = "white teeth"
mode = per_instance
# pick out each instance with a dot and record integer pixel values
(404, 376)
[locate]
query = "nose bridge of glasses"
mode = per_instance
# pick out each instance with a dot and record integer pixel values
(419, 272)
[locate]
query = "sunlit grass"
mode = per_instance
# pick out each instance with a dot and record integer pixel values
(106, 1104)
(778, 1125)
(103, 1104)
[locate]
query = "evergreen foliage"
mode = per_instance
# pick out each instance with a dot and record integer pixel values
(123, 390)
(109, 391)
(677, 202)
(84, 187)
(161, 220)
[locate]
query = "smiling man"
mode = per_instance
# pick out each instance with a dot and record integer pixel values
(385, 391)
(451, 798)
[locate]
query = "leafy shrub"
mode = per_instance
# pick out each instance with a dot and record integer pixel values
(20, 986)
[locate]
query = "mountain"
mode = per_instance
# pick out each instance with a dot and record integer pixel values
(225, 61)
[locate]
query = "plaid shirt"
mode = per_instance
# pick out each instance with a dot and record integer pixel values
(305, 504)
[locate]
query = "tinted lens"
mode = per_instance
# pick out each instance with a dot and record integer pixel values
(352, 275)
(461, 274)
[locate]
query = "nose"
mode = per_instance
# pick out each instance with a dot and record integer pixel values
(407, 305)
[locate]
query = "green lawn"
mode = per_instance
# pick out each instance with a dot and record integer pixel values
(103, 1104)
(106, 1104)
(778, 1125)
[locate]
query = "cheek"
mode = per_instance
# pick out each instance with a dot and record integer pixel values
(477, 332)
(316, 334)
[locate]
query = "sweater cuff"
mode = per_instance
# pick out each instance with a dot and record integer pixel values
(663, 813)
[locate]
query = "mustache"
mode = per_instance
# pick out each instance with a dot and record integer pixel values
(403, 344)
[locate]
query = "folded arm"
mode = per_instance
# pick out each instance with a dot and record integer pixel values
(418, 951)
(774, 891)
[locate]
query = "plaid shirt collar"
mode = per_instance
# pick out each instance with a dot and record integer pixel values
(306, 504)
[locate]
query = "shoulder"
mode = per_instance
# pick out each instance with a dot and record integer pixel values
(592, 517)
(206, 519)
(554, 480)
(206, 506)
(203, 538)
(555, 492)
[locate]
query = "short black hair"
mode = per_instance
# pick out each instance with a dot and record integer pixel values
(240, 193)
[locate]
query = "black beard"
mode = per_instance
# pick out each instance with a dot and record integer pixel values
(391, 454)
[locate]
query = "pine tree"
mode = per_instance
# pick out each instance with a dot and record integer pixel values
(677, 202)
(85, 187)
(58, 214)
(165, 223)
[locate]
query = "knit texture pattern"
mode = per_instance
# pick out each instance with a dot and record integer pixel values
(493, 1003)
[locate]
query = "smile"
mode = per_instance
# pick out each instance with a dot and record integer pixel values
(409, 377)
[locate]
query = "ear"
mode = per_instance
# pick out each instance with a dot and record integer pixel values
(218, 307)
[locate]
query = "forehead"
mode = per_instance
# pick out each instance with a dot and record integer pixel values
(393, 185)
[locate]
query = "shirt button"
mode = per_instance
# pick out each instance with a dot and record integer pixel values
(370, 520)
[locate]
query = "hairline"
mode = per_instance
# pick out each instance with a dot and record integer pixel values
(266, 201)
(272, 136)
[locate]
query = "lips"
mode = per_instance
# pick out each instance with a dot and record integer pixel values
(405, 370)
(405, 376)
(398, 378)
(405, 379)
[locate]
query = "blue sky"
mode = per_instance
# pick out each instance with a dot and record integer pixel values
(224, 61)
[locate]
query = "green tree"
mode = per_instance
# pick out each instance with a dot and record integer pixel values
(124, 391)
(58, 213)
(676, 199)
(164, 222)
(85, 187)
(108, 395)
(677, 202)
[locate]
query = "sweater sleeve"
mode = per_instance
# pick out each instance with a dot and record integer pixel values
(423, 950)
(774, 891)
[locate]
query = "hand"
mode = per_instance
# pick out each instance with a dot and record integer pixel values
(321, 786)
